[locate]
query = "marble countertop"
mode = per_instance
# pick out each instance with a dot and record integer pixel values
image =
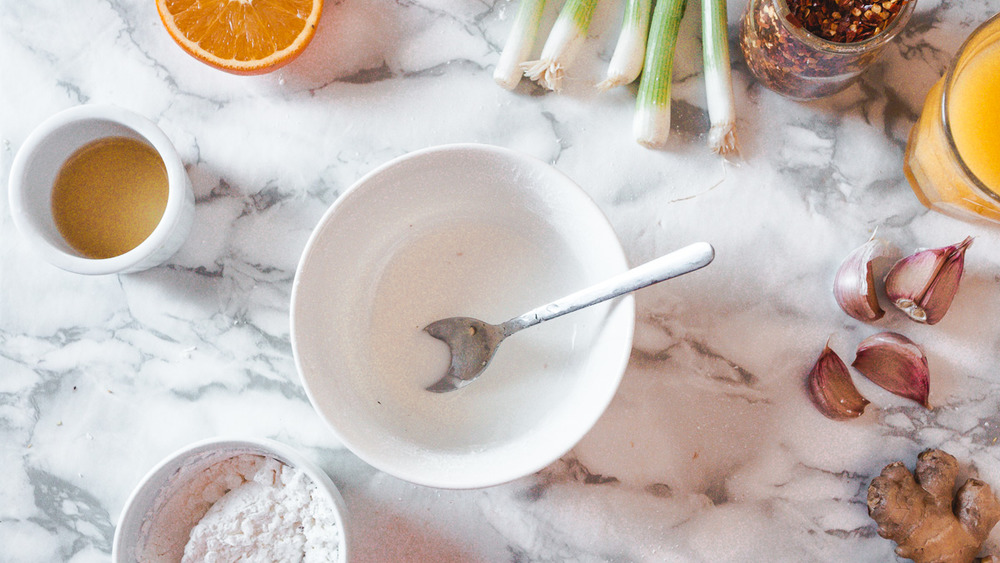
(711, 450)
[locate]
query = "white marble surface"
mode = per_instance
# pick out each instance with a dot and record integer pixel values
(711, 450)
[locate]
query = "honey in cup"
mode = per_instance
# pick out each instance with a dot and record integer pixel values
(952, 158)
(109, 196)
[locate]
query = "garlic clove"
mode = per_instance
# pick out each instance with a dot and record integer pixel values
(896, 364)
(854, 284)
(923, 285)
(831, 389)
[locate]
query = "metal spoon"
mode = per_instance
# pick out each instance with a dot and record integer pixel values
(473, 342)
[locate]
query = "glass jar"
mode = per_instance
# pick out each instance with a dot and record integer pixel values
(792, 61)
(952, 158)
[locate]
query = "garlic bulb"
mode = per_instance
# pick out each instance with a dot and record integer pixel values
(832, 390)
(896, 364)
(854, 284)
(923, 285)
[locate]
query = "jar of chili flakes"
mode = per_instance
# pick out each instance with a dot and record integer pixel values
(807, 49)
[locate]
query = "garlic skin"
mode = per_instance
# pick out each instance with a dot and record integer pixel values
(854, 283)
(923, 285)
(896, 364)
(831, 389)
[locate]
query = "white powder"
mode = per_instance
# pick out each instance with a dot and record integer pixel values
(245, 508)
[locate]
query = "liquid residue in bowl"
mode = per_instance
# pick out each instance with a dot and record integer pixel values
(488, 270)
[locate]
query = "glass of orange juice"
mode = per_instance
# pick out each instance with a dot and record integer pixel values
(952, 157)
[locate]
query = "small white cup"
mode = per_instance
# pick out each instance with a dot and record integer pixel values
(43, 153)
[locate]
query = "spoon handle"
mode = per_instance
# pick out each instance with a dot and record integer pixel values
(678, 262)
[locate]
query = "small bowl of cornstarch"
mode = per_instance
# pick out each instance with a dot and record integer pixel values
(233, 499)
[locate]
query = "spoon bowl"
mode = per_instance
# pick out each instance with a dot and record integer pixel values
(472, 344)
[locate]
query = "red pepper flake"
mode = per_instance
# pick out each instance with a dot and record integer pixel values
(843, 21)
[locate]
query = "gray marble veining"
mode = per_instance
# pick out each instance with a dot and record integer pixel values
(711, 450)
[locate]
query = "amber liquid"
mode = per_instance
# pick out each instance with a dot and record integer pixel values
(109, 195)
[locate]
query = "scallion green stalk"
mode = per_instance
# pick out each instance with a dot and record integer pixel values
(563, 43)
(519, 43)
(626, 62)
(651, 123)
(718, 78)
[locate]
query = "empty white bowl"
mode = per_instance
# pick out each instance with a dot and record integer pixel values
(147, 518)
(468, 230)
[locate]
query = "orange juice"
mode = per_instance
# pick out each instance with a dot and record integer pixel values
(952, 158)
(974, 115)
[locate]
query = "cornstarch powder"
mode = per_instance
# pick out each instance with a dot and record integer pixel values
(247, 508)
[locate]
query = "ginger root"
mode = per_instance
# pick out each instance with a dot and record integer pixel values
(921, 514)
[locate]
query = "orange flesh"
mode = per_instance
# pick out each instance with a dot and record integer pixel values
(245, 36)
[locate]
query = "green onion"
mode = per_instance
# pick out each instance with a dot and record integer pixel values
(651, 123)
(519, 43)
(562, 45)
(626, 62)
(718, 78)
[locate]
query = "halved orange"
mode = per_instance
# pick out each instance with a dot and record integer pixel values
(241, 36)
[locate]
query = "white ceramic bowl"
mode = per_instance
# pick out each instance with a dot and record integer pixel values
(144, 512)
(46, 149)
(468, 230)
